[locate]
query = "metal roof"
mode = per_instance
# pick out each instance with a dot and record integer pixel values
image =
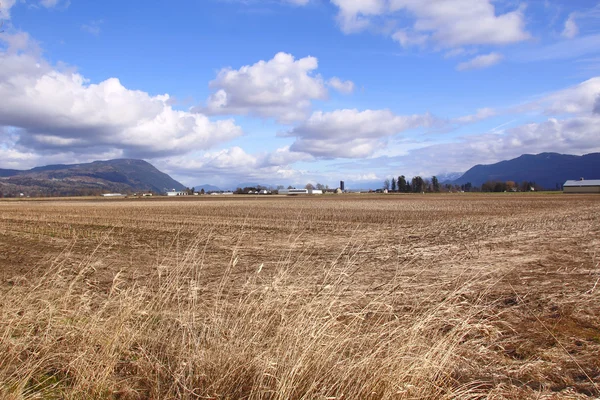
(586, 182)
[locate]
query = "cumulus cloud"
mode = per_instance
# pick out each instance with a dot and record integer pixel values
(233, 165)
(481, 61)
(345, 87)
(350, 133)
(408, 38)
(445, 23)
(61, 111)
(571, 29)
(353, 15)
(578, 99)
(281, 88)
(596, 109)
(577, 135)
(5, 6)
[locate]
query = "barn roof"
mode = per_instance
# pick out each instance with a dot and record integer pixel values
(587, 182)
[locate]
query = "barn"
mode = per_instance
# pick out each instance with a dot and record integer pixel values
(582, 186)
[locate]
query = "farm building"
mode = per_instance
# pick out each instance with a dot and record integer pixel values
(582, 186)
(300, 191)
(110, 195)
(176, 193)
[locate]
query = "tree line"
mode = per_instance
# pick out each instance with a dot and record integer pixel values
(423, 185)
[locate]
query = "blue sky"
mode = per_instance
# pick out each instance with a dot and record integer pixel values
(296, 91)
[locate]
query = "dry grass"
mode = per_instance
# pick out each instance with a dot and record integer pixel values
(376, 297)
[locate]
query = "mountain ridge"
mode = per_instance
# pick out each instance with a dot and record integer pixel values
(548, 170)
(118, 175)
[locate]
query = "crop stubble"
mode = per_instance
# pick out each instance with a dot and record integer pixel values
(493, 295)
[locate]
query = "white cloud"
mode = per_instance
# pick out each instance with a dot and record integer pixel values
(351, 133)
(61, 111)
(298, 2)
(234, 165)
(407, 38)
(481, 114)
(571, 30)
(353, 15)
(280, 88)
(446, 23)
(577, 135)
(345, 87)
(5, 6)
(93, 27)
(578, 99)
(481, 61)
(49, 3)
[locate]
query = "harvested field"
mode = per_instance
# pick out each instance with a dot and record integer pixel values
(336, 297)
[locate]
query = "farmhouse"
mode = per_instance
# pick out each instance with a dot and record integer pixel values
(582, 186)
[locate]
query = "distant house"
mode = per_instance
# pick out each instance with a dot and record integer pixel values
(582, 186)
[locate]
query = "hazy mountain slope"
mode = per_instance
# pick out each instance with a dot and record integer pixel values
(545, 169)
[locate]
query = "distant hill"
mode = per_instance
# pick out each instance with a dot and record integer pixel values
(545, 169)
(448, 177)
(122, 175)
(207, 188)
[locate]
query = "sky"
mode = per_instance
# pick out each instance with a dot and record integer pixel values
(225, 92)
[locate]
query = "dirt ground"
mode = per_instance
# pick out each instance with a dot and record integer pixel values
(534, 258)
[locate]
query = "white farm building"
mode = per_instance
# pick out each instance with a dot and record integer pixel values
(300, 191)
(582, 186)
(176, 193)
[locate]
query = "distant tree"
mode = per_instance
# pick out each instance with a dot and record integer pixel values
(408, 187)
(466, 187)
(499, 187)
(280, 187)
(510, 186)
(320, 186)
(435, 184)
(417, 184)
(202, 191)
(386, 184)
(291, 187)
(309, 186)
(401, 183)
(487, 186)
(393, 184)
(426, 185)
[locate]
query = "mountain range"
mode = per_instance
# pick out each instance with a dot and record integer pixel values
(548, 170)
(121, 175)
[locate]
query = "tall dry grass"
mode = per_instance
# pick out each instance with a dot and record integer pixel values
(266, 333)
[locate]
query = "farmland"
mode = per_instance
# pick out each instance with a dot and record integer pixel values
(345, 297)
